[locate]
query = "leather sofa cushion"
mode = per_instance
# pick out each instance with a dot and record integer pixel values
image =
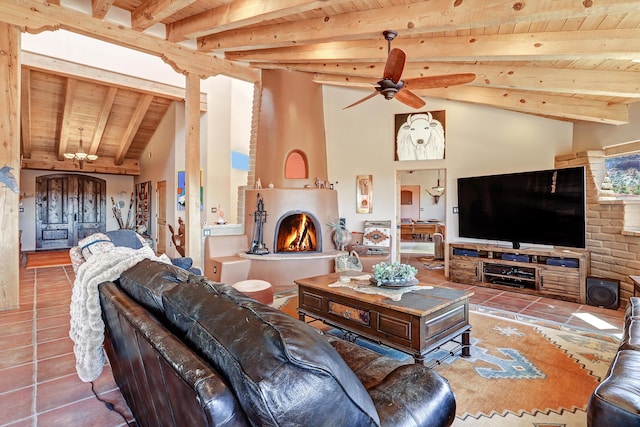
(146, 281)
(283, 371)
(631, 336)
(632, 311)
(616, 401)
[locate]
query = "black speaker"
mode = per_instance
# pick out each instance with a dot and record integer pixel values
(603, 292)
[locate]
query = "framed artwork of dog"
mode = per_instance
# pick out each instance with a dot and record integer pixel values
(420, 136)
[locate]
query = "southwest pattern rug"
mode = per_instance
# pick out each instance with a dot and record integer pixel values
(522, 371)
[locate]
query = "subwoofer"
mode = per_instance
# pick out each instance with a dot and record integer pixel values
(603, 292)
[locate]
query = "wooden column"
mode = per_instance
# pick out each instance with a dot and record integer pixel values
(192, 170)
(9, 157)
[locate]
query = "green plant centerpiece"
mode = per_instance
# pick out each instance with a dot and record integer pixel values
(394, 274)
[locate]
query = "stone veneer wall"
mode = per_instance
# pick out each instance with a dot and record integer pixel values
(613, 225)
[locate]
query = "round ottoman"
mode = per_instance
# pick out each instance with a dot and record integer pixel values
(259, 290)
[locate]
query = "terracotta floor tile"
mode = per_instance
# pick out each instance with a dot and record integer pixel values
(55, 348)
(60, 392)
(16, 378)
(509, 303)
(16, 405)
(62, 300)
(51, 334)
(548, 315)
(62, 320)
(15, 341)
(16, 356)
(56, 367)
(52, 311)
(11, 316)
(87, 412)
(16, 328)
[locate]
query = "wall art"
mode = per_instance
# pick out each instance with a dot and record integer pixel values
(364, 194)
(420, 136)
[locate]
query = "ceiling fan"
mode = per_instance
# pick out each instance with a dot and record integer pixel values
(391, 86)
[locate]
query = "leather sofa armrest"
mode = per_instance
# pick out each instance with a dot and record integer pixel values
(414, 395)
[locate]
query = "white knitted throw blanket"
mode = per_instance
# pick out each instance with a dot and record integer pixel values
(87, 327)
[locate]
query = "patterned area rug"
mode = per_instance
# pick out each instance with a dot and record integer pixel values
(526, 374)
(522, 371)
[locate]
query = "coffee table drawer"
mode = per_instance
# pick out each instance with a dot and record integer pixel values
(400, 328)
(445, 320)
(353, 314)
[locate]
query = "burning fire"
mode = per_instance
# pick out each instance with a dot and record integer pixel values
(296, 234)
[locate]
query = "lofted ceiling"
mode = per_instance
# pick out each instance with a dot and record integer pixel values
(564, 59)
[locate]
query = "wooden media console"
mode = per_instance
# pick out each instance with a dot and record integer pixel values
(555, 273)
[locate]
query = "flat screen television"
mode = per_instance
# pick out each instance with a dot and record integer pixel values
(543, 207)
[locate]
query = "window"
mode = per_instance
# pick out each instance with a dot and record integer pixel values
(624, 172)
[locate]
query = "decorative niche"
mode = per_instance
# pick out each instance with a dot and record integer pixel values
(296, 165)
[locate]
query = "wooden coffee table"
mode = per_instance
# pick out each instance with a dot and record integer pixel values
(419, 323)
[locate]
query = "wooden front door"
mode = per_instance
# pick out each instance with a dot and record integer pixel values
(161, 215)
(69, 207)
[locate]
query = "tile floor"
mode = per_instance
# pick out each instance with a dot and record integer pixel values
(39, 386)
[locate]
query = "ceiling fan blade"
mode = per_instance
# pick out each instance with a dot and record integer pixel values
(371, 95)
(409, 98)
(395, 64)
(430, 82)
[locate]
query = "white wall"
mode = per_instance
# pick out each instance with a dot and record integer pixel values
(594, 136)
(229, 121)
(480, 140)
(118, 186)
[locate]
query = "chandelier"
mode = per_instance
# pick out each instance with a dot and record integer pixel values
(80, 155)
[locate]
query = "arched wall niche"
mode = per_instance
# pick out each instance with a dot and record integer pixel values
(296, 165)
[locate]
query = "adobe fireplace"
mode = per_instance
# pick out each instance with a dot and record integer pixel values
(305, 247)
(298, 232)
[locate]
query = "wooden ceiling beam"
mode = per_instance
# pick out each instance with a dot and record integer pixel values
(578, 82)
(25, 112)
(28, 14)
(546, 104)
(99, 8)
(153, 11)
(132, 128)
(550, 105)
(426, 17)
(103, 116)
(67, 112)
(240, 13)
(547, 46)
(47, 161)
(100, 76)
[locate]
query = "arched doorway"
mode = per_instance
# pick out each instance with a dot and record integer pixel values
(69, 207)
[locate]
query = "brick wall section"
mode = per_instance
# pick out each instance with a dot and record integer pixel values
(613, 237)
(253, 141)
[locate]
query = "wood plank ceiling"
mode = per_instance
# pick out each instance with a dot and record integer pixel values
(564, 59)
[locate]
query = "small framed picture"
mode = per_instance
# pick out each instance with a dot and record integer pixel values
(364, 194)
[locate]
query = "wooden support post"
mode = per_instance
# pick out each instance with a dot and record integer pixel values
(192, 170)
(9, 158)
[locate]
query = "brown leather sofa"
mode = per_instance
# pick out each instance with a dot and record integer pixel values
(188, 351)
(616, 400)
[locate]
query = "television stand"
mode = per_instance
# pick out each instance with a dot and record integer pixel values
(555, 273)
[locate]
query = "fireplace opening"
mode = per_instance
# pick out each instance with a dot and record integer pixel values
(298, 232)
